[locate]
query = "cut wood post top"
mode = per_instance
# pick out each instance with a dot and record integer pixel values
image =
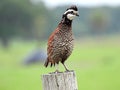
(60, 81)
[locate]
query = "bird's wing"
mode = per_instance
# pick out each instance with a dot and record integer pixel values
(52, 44)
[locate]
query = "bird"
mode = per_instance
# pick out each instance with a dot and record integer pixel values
(60, 42)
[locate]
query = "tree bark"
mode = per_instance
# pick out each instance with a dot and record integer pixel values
(60, 81)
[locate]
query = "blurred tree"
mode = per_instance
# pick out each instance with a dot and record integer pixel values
(98, 21)
(28, 20)
(116, 20)
(15, 16)
(42, 21)
(25, 19)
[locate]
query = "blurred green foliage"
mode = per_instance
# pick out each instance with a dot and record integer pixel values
(28, 20)
(22, 19)
(95, 61)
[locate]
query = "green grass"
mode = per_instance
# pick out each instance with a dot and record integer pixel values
(97, 66)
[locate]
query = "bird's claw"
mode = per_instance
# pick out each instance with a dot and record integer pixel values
(57, 71)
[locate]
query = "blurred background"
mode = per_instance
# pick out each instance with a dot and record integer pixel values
(25, 26)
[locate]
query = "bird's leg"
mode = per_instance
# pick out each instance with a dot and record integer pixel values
(65, 67)
(57, 68)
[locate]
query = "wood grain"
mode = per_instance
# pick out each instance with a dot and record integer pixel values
(60, 81)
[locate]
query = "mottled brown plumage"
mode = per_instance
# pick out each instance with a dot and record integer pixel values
(60, 42)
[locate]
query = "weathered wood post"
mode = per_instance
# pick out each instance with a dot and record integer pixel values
(60, 81)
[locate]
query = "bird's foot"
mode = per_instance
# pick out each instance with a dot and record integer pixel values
(57, 71)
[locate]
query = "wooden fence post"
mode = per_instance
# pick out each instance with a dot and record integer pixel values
(60, 81)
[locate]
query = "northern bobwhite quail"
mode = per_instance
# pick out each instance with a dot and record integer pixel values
(60, 42)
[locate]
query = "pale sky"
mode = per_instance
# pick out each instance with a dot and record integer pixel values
(54, 3)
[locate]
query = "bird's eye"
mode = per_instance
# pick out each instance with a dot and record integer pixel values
(71, 11)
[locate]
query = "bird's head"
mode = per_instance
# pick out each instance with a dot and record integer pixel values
(71, 12)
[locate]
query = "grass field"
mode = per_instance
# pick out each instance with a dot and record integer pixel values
(95, 61)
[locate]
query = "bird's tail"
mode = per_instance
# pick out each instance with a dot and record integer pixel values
(46, 63)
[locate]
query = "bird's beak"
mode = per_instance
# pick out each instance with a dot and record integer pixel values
(77, 14)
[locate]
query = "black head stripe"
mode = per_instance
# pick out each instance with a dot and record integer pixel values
(74, 7)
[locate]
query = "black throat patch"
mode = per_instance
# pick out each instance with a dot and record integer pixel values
(66, 21)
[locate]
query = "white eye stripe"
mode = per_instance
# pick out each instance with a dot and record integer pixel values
(70, 11)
